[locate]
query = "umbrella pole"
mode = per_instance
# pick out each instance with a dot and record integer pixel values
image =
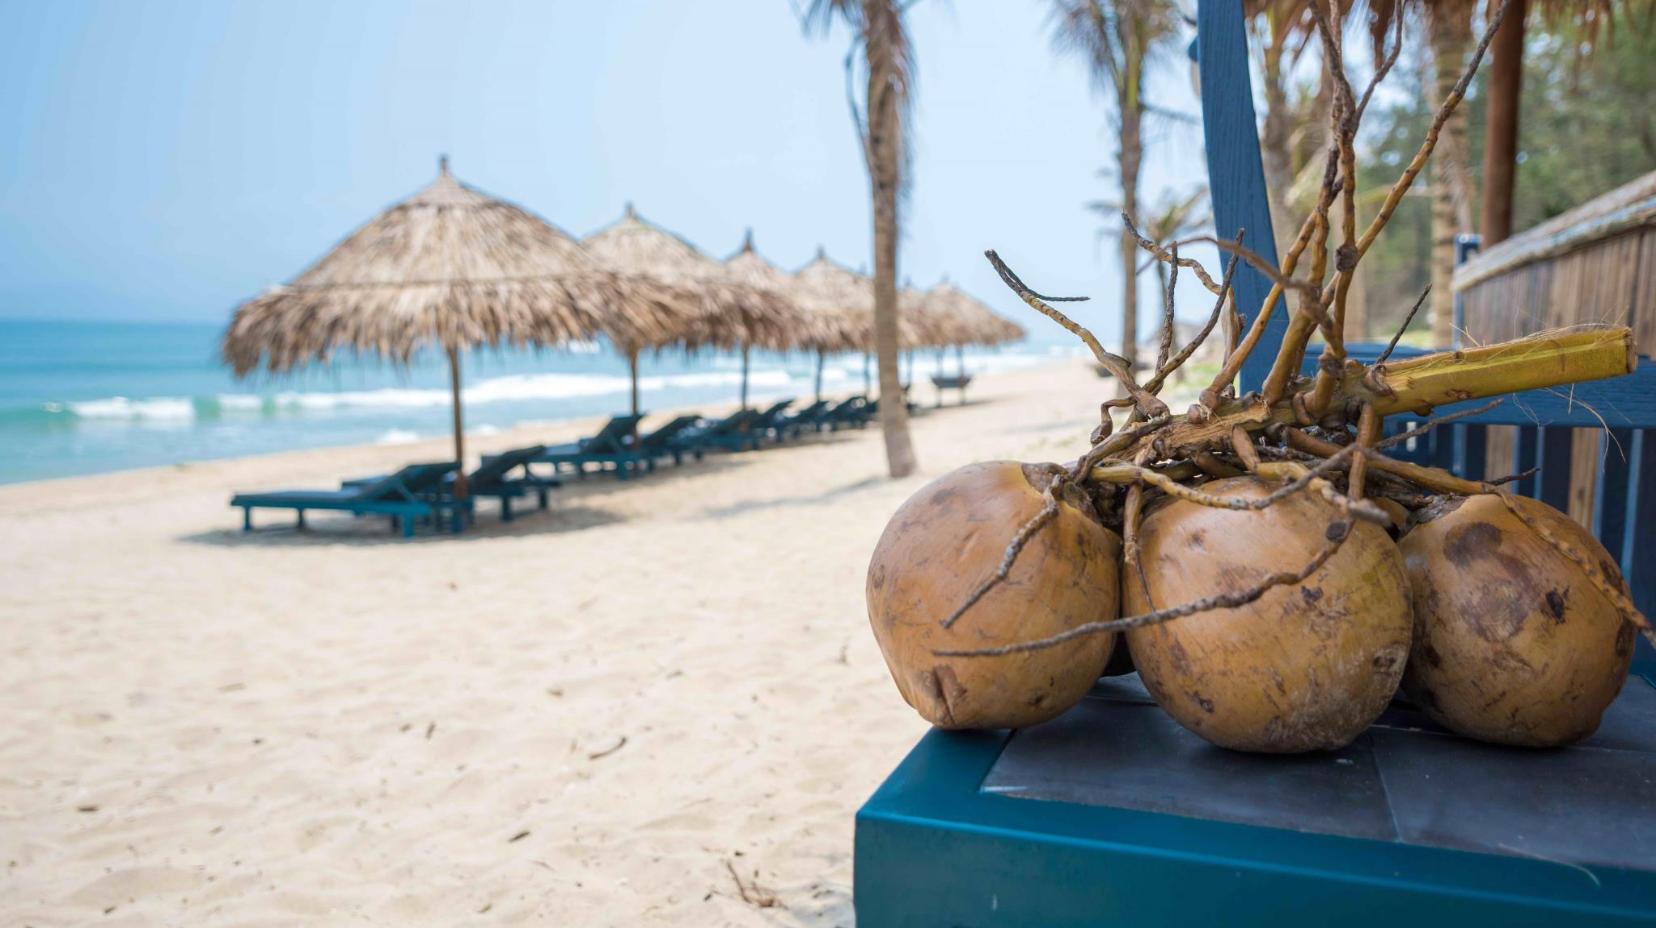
(744, 376)
(632, 370)
(459, 430)
(960, 359)
(867, 387)
(819, 376)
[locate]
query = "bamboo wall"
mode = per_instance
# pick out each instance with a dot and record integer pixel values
(1595, 263)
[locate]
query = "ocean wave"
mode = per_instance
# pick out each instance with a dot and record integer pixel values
(843, 373)
(173, 408)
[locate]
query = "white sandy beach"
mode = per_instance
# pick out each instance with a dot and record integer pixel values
(589, 716)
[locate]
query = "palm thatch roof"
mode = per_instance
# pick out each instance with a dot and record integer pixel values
(841, 298)
(455, 267)
(970, 320)
(733, 311)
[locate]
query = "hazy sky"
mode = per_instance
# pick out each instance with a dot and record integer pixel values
(164, 160)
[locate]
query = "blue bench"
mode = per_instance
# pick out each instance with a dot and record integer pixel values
(1112, 814)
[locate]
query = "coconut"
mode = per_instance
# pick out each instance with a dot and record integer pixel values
(1306, 666)
(1513, 643)
(946, 541)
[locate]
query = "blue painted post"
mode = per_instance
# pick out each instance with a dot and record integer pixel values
(1554, 487)
(1236, 177)
(1610, 491)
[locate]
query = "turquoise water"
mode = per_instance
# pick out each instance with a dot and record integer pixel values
(89, 397)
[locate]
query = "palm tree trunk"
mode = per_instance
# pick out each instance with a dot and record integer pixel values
(1450, 25)
(459, 430)
(885, 164)
(1130, 157)
(1506, 81)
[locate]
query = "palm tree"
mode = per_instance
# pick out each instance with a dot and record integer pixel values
(887, 59)
(1118, 40)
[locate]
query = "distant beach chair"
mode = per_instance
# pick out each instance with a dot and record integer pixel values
(734, 432)
(667, 441)
(405, 496)
(773, 420)
(493, 478)
(811, 417)
(951, 382)
(850, 413)
(610, 446)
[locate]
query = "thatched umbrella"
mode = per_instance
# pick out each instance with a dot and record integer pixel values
(832, 290)
(827, 330)
(454, 268)
(733, 312)
(968, 321)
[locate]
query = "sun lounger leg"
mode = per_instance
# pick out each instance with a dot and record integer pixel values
(505, 508)
(541, 492)
(302, 525)
(247, 518)
(407, 527)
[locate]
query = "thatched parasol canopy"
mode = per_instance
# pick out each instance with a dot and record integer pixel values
(454, 268)
(969, 321)
(733, 312)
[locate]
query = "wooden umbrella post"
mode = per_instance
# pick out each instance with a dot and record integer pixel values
(960, 361)
(744, 376)
(632, 372)
(820, 355)
(868, 386)
(459, 428)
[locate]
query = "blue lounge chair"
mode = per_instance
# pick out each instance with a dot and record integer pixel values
(407, 495)
(810, 418)
(772, 420)
(493, 478)
(851, 413)
(734, 432)
(665, 442)
(609, 446)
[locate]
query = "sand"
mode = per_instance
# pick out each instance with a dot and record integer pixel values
(589, 716)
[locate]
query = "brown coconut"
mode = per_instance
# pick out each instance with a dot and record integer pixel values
(941, 545)
(1513, 644)
(1305, 667)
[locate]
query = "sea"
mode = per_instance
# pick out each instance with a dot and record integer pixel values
(87, 397)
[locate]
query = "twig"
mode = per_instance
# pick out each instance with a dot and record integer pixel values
(751, 892)
(1147, 403)
(1392, 345)
(1133, 473)
(1436, 421)
(1609, 589)
(1166, 347)
(1254, 259)
(1336, 535)
(1524, 474)
(1162, 254)
(608, 751)
(1049, 511)
(1368, 429)
(1174, 363)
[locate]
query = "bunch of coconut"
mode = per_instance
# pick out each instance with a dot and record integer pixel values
(1272, 575)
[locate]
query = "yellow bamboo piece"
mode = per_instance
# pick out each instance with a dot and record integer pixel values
(1420, 384)
(1548, 359)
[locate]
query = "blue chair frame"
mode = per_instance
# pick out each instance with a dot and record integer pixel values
(405, 496)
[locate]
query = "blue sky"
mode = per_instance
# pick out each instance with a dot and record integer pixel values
(164, 160)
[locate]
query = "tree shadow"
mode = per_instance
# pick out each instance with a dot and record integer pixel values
(804, 499)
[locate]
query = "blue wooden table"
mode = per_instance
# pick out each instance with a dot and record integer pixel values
(1112, 814)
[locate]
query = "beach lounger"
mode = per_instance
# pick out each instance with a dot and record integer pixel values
(809, 418)
(494, 478)
(851, 413)
(609, 446)
(407, 495)
(732, 433)
(772, 420)
(666, 442)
